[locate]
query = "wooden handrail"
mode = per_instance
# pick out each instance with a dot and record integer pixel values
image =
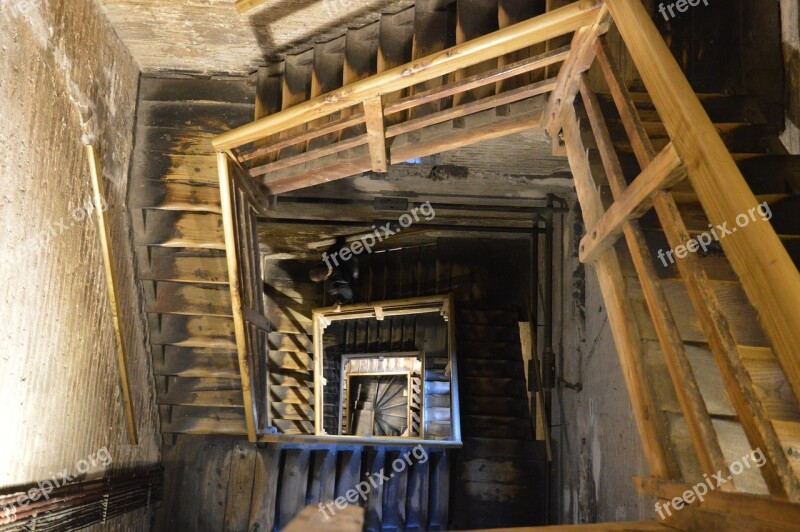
(98, 197)
(536, 30)
(769, 277)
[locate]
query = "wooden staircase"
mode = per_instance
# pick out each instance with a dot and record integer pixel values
(500, 472)
(176, 213)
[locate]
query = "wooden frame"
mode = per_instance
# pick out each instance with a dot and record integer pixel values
(323, 317)
(399, 354)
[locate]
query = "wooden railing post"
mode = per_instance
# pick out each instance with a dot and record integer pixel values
(767, 273)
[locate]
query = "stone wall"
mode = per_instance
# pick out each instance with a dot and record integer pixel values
(65, 78)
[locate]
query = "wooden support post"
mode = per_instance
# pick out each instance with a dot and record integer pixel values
(227, 197)
(752, 415)
(581, 57)
(769, 277)
(376, 133)
(623, 324)
(698, 420)
(665, 171)
(98, 196)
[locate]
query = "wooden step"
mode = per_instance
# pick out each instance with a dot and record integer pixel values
(290, 360)
(500, 406)
(197, 362)
(188, 299)
(210, 398)
(326, 76)
(492, 448)
(395, 43)
(721, 108)
(292, 412)
(488, 333)
(473, 367)
(735, 305)
(296, 90)
(179, 229)
(290, 342)
(175, 196)
(475, 18)
(204, 420)
(291, 378)
(434, 31)
(291, 394)
(514, 472)
(475, 386)
(497, 427)
(286, 426)
(184, 266)
(738, 137)
(191, 331)
(488, 350)
(487, 317)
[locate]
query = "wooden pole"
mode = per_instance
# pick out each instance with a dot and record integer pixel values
(98, 197)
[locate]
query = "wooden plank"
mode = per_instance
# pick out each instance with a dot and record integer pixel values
(198, 362)
(376, 133)
(178, 229)
(323, 479)
(190, 300)
(240, 487)
(438, 511)
(182, 267)
(664, 172)
(265, 488)
(395, 45)
(216, 467)
(236, 289)
(375, 463)
(623, 325)
(396, 492)
(539, 29)
(510, 12)
(349, 471)
(294, 483)
(104, 232)
(434, 31)
(770, 278)
(417, 497)
(715, 325)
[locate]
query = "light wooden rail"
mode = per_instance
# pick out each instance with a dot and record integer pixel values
(377, 121)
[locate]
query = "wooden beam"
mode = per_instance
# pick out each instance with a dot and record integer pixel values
(524, 115)
(376, 134)
(243, 6)
(581, 58)
(620, 317)
(232, 251)
(752, 415)
(505, 72)
(103, 227)
(698, 420)
(769, 277)
(521, 35)
(665, 171)
(774, 514)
